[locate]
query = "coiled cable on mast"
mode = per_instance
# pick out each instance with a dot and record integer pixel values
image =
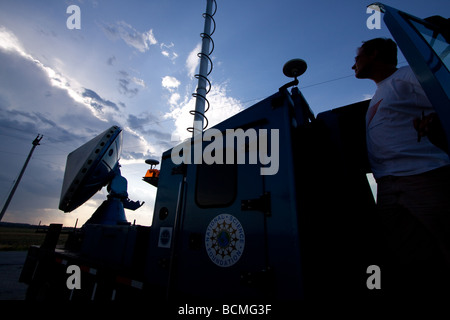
(202, 77)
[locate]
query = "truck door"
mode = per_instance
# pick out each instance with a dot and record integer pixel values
(426, 47)
(222, 232)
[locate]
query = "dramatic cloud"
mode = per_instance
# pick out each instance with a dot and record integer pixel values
(174, 99)
(139, 82)
(167, 51)
(126, 82)
(148, 125)
(111, 60)
(35, 98)
(9, 42)
(138, 40)
(97, 102)
(192, 61)
(51, 78)
(170, 83)
(221, 108)
(31, 104)
(40, 96)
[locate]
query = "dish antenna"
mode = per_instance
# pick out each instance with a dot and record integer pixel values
(91, 167)
(293, 69)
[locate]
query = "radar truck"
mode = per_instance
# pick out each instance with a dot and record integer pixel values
(285, 212)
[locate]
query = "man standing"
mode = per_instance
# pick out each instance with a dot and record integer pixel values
(412, 174)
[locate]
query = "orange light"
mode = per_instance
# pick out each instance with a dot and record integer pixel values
(152, 173)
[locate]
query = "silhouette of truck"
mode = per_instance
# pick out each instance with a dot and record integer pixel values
(226, 232)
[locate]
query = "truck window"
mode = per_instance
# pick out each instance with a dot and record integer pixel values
(425, 45)
(435, 39)
(216, 185)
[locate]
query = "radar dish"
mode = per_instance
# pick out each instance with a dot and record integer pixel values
(89, 168)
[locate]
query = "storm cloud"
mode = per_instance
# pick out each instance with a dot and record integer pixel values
(98, 102)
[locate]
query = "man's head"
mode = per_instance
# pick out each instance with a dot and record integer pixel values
(373, 56)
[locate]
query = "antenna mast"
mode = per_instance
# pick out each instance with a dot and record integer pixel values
(202, 91)
(11, 194)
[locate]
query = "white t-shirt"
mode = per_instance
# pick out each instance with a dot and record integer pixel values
(392, 143)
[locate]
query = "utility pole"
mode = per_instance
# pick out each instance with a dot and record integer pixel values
(11, 194)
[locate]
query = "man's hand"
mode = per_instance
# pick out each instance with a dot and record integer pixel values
(431, 127)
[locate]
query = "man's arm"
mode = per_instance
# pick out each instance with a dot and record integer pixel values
(431, 127)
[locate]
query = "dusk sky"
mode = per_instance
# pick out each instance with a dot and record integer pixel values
(131, 64)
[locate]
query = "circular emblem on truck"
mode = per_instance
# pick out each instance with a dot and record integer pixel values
(224, 240)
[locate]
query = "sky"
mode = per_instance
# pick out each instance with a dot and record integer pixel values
(131, 63)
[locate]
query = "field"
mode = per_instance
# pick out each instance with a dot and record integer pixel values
(21, 238)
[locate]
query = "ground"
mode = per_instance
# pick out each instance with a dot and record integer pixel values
(11, 263)
(14, 243)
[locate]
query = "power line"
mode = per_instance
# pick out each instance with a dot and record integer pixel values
(327, 81)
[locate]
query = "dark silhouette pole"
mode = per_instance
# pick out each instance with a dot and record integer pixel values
(11, 194)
